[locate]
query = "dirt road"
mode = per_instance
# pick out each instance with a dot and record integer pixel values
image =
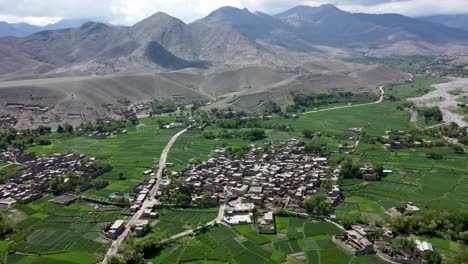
(147, 202)
(382, 94)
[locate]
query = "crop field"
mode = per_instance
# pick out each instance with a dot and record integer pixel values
(50, 229)
(222, 244)
(192, 145)
(172, 222)
(368, 117)
(129, 154)
(438, 184)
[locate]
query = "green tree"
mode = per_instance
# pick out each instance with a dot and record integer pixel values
(352, 217)
(318, 205)
(402, 245)
(308, 133)
(432, 257)
(350, 170)
(183, 199)
(272, 108)
(460, 258)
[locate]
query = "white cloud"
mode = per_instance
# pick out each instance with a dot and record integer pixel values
(128, 12)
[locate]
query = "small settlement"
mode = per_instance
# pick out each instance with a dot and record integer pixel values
(268, 177)
(39, 172)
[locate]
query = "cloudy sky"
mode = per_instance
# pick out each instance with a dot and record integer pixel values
(128, 12)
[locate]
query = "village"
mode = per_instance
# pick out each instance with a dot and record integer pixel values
(250, 189)
(39, 174)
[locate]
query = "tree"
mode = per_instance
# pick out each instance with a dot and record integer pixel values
(402, 245)
(68, 128)
(458, 149)
(350, 170)
(432, 257)
(272, 108)
(308, 133)
(148, 245)
(315, 147)
(352, 217)
(183, 199)
(5, 226)
(432, 155)
(116, 260)
(460, 258)
(60, 129)
(318, 205)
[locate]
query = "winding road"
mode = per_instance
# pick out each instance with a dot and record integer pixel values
(382, 94)
(148, 202)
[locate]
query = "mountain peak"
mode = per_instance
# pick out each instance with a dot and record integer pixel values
(329, 7)
(305, 10)
(161, 19)
(229, 11)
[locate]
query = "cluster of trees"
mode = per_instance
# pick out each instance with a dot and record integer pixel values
(137, 250)
(352, 217)
(22, 138)
(271, 108)
(350, 169)
(317, 100)
(318, 205)
(163, 107)
(69, 182)
(5, 226)
(7, 174)
(103, 127)
(451, 131)
(67, 128)
(433, 223)
(431, 114)
(405, 246)
(247, 134)
(316, 147)
(433, 155)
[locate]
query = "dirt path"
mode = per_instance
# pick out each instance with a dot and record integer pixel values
(147, 202)
(382, 94)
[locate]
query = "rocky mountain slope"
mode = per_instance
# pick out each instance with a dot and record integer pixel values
(25, 29)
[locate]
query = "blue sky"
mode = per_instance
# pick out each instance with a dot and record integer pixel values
(128, 12)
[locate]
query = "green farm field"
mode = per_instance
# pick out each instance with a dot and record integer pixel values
(176, 221)
(437, 184)
(240, 244)
(130, 154)
(54, 233)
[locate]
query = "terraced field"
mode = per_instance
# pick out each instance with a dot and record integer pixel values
(221, 244)
(130, 154)
(59, 234)
(176, 221)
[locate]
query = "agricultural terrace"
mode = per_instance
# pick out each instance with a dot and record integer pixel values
(439, 184)
(298, 240)
(129, 154)
(175, 221)
(53, 233)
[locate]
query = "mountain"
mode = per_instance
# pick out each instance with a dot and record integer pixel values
(328, 25)
(17, 29)
(24, 29)
(455, 21)
(233, 57)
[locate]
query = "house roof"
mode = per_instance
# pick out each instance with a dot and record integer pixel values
(424, 245)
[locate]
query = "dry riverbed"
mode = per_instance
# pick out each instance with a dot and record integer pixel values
(446, 99)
